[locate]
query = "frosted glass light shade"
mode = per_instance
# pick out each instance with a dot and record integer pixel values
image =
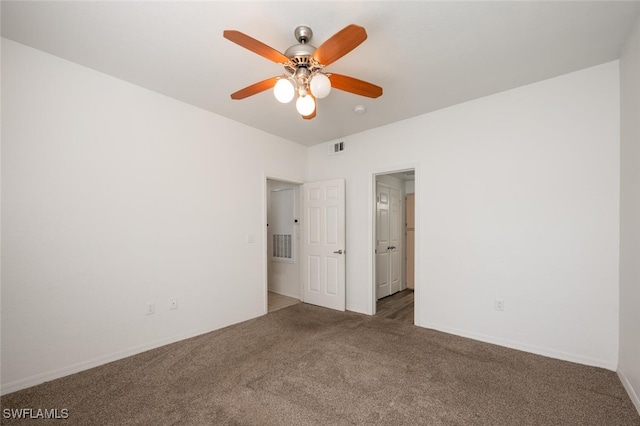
(320, 85)
(284, 91)
(305, 105)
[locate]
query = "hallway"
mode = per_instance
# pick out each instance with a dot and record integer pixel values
(398, 306)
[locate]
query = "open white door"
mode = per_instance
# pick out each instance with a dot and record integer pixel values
(383, 242)
(388, 240)
(323, 247)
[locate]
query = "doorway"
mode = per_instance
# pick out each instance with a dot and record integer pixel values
(283, 244)
(304, 246)
(393, 231)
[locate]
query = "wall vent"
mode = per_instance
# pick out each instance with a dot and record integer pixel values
(282, 247)
(336, 147)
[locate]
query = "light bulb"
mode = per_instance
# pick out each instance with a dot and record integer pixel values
(305, 105)
(284, 91)
(320, 85)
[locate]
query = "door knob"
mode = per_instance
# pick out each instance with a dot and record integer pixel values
(338, 252)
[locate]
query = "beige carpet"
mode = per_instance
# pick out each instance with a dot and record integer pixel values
(305, 365)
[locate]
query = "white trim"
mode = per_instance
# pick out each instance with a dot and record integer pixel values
(627, 386)
(538, 350)
(358, 310)
(101, 360)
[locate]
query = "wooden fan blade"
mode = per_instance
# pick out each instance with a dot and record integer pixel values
(313, 114)
(255, 46)
(353, 85)
(255, 88)
(341, 43)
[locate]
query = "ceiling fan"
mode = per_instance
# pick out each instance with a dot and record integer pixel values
(304, 65)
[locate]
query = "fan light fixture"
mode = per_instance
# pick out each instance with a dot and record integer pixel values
(305, 105)
(304, 66)
(318, 85)
(284, 91)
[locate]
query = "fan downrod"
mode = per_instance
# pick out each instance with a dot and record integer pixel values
(303, 34)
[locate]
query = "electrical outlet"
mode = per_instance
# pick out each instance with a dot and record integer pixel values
(499, 304)
(151, 308)
(173, 303)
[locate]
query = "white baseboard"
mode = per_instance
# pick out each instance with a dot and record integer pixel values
(551, 353)
(357, 310)
(627, 386)
(101, 360)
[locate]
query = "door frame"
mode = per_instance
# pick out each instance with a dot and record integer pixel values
(372, 236)
(265, 239)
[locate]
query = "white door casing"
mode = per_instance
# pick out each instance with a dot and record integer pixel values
(324, 249)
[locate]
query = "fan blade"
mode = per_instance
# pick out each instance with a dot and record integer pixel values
(353, 85)
(255, 46)
(255, 88)
(313, 114)
(341, 43)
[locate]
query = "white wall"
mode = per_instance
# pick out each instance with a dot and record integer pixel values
(113, 196)
(518, 198)
(629, 365)
(284, 277)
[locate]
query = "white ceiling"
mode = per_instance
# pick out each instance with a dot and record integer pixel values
(426, 55)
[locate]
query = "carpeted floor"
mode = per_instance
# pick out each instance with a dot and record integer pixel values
(305, 365)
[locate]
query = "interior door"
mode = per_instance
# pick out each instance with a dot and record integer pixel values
(389, 227)
(323, 262)
(383, 243)
(395, 239)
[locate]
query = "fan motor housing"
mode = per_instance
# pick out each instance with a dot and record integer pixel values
(299, 50)
(300, 54)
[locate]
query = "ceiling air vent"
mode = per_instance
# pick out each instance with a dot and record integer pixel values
(336, 147)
